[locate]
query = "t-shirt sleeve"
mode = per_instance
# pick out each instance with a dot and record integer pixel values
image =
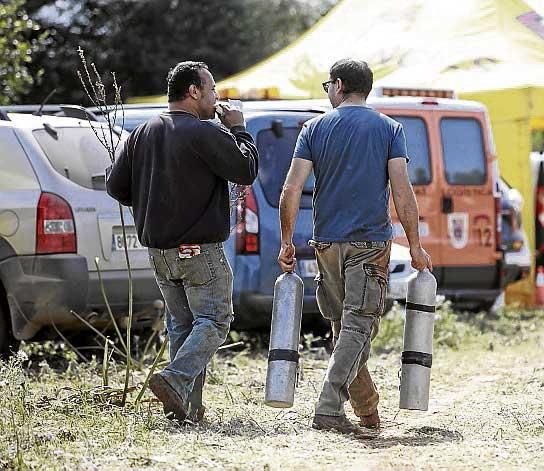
(398, 144)
(302, 147)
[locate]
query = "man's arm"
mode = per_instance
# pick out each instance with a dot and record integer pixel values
(289, 203)
(407, 211)
(233, 156)
(119, 177)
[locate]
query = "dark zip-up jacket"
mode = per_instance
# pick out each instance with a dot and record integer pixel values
(174, 172)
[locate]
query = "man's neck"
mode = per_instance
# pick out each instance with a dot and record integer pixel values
(352, 99)
(184, 107)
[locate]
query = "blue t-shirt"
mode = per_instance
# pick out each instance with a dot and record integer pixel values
(350, 147)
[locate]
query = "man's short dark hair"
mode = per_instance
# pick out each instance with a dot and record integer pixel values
(356, 76)
(181, 77)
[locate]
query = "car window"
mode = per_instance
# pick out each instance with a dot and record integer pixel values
(15, 170)
(130, 119)
(463, 150)
(275, 153)
(417, 142)
(76, 154)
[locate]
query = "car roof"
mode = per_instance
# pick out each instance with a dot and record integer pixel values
(29, 121)
(323, 105)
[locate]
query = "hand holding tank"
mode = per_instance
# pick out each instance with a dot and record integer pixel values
(417, 352)
(284, 339)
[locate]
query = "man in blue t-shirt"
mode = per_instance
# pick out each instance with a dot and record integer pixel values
(356, 154)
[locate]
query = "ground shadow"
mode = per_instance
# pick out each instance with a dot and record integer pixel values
(420, 436)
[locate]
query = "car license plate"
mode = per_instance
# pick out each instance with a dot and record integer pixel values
(308, 268)
(132, 241)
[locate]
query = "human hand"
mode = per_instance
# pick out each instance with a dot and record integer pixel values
(420, 258)
(229, 116)
(286, 257)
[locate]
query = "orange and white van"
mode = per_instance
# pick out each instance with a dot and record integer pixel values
(454, 172)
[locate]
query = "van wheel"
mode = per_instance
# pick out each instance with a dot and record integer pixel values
(8, 343)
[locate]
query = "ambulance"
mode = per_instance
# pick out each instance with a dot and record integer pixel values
(454, 172)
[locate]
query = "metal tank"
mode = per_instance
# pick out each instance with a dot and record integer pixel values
(284, 339)
(417, 354)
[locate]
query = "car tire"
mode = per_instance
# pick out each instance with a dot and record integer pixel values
(8, 343)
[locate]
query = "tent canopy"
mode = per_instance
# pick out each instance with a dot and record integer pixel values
(422, 42)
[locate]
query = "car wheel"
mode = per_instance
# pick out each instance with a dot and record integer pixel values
(8, 344)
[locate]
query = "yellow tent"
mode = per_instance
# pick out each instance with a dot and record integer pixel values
(487, 50)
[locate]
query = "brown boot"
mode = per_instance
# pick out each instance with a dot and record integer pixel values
(340, 424)
(173, 405)
(371, 421)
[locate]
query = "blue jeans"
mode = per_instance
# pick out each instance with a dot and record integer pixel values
(198, 296)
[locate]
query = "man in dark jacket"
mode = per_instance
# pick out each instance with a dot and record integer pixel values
(174, 172)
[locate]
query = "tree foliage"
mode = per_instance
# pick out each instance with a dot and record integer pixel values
(16, 48)
(141, 39)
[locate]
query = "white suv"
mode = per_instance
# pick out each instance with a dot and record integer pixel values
(55, 218)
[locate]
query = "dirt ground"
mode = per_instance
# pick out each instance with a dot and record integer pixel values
(486, 412)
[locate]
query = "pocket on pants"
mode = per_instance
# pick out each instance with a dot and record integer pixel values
(374, 289)
(195, 270)
(322, 299)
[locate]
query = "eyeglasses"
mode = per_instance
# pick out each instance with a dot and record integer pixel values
(326, 85)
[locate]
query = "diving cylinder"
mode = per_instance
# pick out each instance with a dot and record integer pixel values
(284, 339)
(417, 353)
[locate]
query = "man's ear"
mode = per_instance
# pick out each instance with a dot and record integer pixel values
(194, 91)
(339, 85)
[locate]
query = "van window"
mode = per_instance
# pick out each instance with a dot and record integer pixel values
(76, 154)
(275, 155)
(417, 142)
(463, 149)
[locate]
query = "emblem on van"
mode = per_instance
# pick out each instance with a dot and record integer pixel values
(458, 229)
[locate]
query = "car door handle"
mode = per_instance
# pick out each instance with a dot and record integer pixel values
(447, 204)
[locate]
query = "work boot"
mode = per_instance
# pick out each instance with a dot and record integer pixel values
(173, 405)
(340, 424)
(371, 421)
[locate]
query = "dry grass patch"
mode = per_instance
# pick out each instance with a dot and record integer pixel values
(486, 410)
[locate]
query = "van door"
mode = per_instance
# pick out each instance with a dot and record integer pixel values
(469, 254)
(422, 170)
(276, 135)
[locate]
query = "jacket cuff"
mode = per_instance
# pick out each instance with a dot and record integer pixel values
(236, 129)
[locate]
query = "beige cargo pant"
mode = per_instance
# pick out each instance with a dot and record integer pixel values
(351, 290)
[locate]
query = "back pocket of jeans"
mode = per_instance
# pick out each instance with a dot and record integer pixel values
(195, 270)
(374, 289)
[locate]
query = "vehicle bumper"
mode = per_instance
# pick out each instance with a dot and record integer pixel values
(470, 296)
(144, 290)
(42, 290)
